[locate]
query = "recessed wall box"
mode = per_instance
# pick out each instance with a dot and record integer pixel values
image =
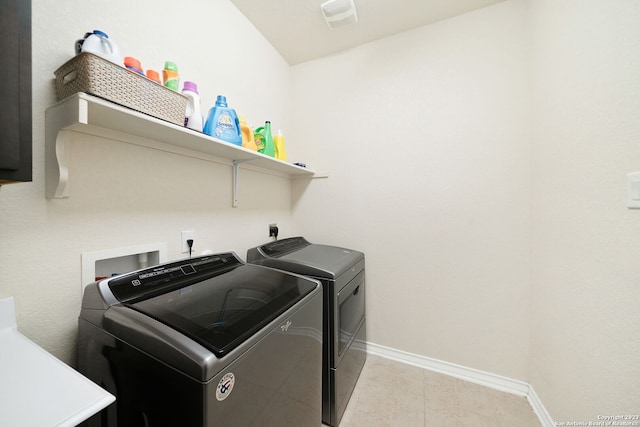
(120, 260)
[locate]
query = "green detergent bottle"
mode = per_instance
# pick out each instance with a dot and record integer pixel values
(264, 139)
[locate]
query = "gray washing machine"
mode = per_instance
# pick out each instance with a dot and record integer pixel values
(341, 272)
(208, 341)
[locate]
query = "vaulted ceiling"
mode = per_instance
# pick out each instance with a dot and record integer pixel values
(298, 31)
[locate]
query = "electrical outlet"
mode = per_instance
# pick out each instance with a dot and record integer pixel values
(186, 235)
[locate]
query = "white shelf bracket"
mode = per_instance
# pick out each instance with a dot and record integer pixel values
(58, 127)
(57, 169)
(236, 163)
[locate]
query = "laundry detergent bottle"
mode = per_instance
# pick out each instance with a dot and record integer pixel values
(193, 117)
(264, 139)
(247, 134)
(171, 76)
(278, 142)
(222, 122)
(99, 43)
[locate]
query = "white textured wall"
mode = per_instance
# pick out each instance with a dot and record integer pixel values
(425, 138)
(479, 162)
(122, 195)
(586, 243)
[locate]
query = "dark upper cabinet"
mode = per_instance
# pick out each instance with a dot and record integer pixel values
(15, 91)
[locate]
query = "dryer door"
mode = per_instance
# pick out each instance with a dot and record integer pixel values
(349, 315)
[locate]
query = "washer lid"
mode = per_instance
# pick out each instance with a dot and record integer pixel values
(299, 256)
(223, 310)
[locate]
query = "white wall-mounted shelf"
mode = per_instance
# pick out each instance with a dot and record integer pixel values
(94, 116)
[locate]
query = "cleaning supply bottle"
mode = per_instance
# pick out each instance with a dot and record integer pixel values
(264, 139)
(170, 76)
(258, 139)
(99, 43)
(193, 116)
(154, 76)
(278, 142)
(269, 148)
(265, 145)
(222, 122)
(133, 64)
(247, 134)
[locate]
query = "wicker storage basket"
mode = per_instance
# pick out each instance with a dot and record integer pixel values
(94, 75)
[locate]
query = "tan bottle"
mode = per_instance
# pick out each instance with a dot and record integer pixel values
(247, 134)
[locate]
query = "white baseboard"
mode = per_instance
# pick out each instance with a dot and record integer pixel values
(487, 379)
(539, 409)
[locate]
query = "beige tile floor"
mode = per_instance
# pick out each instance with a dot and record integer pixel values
(390, 393)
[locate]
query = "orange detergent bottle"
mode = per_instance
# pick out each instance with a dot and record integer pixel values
(247, 134)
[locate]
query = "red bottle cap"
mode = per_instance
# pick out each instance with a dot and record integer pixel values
(153, 75)
(130, 61)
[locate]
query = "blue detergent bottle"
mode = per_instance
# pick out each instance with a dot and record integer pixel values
(222, 122)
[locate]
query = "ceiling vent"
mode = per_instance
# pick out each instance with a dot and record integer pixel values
(339, 13)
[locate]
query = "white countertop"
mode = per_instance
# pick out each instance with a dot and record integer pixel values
(37, 389)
